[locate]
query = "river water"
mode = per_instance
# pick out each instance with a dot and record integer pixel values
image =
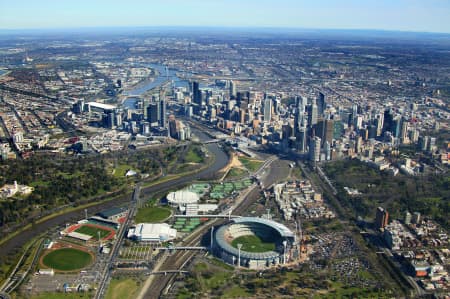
(142, 88)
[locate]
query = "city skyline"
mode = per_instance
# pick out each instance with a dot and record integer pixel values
(400, 15)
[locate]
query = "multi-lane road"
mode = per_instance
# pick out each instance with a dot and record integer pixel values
(120, 236)
(18, 241)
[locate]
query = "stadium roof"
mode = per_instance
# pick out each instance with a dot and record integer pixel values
(111, 212)
(220, 238)
(152, 232)
(281, 228)
(182, 197)
(79, 236)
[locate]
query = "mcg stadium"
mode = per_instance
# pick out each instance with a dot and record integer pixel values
(263, 242)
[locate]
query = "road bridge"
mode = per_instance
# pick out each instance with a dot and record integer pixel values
(208, 216)
(212, 141)
(182, 248)
(165, 272)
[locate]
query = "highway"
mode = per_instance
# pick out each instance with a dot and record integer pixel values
(18, 241)
(120, 236)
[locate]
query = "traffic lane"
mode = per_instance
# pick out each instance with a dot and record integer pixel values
(220, 161)
(17, 242)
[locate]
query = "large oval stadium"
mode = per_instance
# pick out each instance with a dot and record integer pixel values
(263, 243)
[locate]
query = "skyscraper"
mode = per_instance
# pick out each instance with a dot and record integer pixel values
(162, 114)
(312, 114)
(321, 104)
(196, 94)
(300, 113)
(379, 123)
(381, 218)
(314, 149)
(232, 89)
(301, 139)
(153, 114)
(144, 107)
(267, 109)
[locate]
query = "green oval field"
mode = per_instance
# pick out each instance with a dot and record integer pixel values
(67, 259)
(152, 214)
(252, 243)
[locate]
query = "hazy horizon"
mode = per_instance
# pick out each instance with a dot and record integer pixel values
(383, 15)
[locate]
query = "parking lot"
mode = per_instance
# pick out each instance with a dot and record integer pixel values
(136, 252)
(339, 255)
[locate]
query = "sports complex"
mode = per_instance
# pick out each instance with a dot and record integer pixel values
(66, 257)
(263, 242)
(89, 232)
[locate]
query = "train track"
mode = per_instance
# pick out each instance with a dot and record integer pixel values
(179, 259)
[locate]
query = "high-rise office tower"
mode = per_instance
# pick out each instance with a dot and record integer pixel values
(312, 114)
(299, 121)
(381, 218)
(196, 93)
(153, 114)
(388, 123)
(321, 104)
(145, 102)
(267, 109)
(174, 127)
(404, 131)
(314, 149)
(327, 151)
(232, 89)
(301, 137)
(162, 114)
(397, 126)
(379, 123)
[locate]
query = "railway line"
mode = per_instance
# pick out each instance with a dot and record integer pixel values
(179, 259)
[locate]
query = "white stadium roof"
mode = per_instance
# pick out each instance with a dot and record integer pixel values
(156, 232)
(79, 236)
(182, 197)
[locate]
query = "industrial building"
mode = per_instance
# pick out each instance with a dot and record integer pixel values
(152, 232)
(282, 236)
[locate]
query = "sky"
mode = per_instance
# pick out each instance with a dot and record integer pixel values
(401, 15)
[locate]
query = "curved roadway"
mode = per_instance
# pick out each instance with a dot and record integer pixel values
(17, 242)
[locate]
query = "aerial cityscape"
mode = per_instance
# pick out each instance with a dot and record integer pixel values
(190, 154)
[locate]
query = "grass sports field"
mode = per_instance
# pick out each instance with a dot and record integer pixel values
(252, 243)
(67, 259)
(125, 288)
(93, 231)
(152, 214)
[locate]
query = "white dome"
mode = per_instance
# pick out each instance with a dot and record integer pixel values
(182, 197)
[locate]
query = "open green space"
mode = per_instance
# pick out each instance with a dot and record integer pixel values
(60, 295)
(121, 170)
(123, 288)
(193, 155)
(152, 214)
(93, 231)
(252, 243)
(208, 279)
(251, 164)
(235, 173)
(426, 194)
(67, 259)
(236, 292)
